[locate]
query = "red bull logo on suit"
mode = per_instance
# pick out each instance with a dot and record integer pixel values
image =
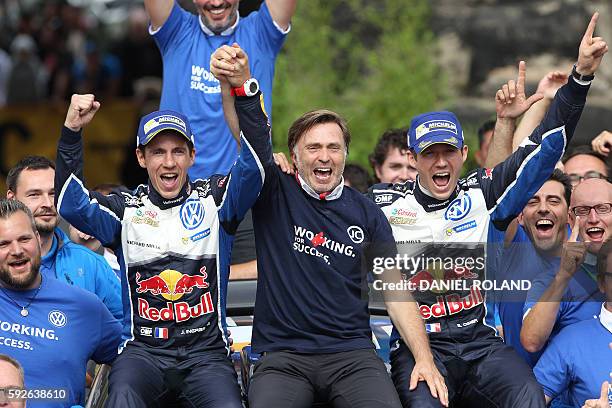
(172, 285)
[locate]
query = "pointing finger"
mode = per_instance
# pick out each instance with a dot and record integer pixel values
(588, 35)
(575, 230)
(522, 72)
(604, 390)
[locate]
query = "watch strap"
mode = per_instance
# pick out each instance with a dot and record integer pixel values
(249, 88)
(580, 77)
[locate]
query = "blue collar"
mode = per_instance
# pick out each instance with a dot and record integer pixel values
(49, 257)
(605, 317)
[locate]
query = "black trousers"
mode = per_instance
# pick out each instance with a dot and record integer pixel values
(140, 378)
(350, 379)
(495, 376)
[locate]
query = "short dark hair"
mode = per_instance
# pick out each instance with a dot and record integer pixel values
(559, 176)
(357, 176)
(317, 117)
(14, 363)
(488, 126)
(391, 138)
(588, 150)
(9, 207)
(27, 163)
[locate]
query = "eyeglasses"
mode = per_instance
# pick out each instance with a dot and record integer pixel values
(582, 210)
(576, 179)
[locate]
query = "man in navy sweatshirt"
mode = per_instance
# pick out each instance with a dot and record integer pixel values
(311, 316)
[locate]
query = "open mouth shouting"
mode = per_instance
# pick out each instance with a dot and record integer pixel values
(441, 180)
(323, 175)
(169, 181)
(595, 234)
(544, 227)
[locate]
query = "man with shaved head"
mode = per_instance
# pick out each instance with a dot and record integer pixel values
(11, 381)
(570, 295)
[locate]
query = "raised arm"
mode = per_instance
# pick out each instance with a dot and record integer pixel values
(511, 183)
(510, 103)
(158, 11)
(223, 64)
(92, 213)
(230, 65)
(282, 11)
(539, 319)
(548, 86)
(590, 54)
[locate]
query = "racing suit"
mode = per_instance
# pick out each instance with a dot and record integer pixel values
(174, 256)
(467, 350)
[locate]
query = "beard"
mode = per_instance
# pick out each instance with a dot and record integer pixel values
(23, 282)
(218, 27)
(46, 228)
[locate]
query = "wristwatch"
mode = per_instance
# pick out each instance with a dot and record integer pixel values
(249, 88)
(579, 77)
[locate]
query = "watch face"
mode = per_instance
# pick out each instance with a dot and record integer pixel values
(253, 87)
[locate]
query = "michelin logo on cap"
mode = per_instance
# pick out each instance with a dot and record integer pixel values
(155, 122)
(427, 127)
(434, 127)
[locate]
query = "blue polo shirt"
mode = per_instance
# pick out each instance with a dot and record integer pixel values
(77, 265)
(518, 261)
(66, 326)
(581, 300)
(578, 360)
(190, 88)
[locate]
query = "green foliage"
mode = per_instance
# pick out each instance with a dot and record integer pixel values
(372, 62)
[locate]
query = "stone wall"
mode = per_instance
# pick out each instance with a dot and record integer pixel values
(481, 42)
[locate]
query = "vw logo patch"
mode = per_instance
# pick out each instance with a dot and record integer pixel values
(57, 318)
(192, 214)
(355, 233)
(459, 208)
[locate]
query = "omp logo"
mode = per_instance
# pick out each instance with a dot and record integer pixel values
(57, 318)
(355, 233)
(459, 208)
(383, 198)
(472, 181)
(146, 331)
(192, 214)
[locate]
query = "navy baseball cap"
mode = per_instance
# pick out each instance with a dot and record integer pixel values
(158, 121)
(434, 127)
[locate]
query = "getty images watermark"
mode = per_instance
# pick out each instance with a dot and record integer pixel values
(439, 274)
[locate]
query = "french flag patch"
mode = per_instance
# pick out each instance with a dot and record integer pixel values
(162, 332)
(431, 328)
